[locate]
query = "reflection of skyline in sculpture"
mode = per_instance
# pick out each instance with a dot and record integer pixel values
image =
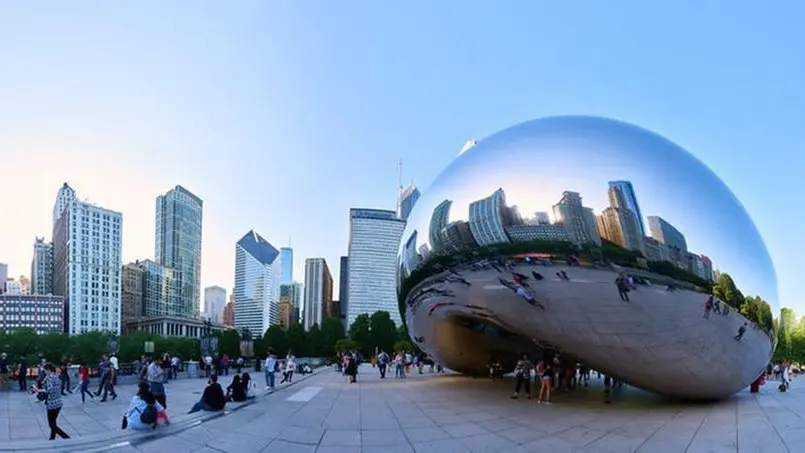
(488, 217)
(629, 201)
(666, 233)
(592, 289)
(496, 223)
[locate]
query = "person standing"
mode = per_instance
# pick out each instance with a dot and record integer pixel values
(155, 381)
(51, 387)
(382, 363)
(103, 372)
(22, 373)
(271, 366)
(83, 377)
(64, 365)
(290, 366)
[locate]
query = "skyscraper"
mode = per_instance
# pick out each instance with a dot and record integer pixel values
(286, 259)
(343, 287)
(630, 201)
(178, 244)
(65, 196)
(438, 222)
(132, 285)
(42, 268)
(318, 291)
(408, 199)
(214, 301)
(488, 219)
(579, 221)
(257, 284)
(618, 223)
(87, 265)
(3, 277)
(374, 239)
(666, 233)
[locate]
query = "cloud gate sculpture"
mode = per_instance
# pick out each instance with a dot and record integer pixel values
(595, 240)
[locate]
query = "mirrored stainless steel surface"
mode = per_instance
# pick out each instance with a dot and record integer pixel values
(598, 240)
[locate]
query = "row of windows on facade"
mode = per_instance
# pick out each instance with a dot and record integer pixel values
(34, 309)
(84, 214)
(84, 324)
(38, 318)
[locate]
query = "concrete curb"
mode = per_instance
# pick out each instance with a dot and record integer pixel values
(109, 441)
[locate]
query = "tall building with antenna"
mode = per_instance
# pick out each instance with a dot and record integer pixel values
(407, 198)
(286, 263)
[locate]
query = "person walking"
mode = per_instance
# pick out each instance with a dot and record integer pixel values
(270, 368)
(51, 389)
(83, 377)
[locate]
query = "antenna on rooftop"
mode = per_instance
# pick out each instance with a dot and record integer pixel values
(400, 187)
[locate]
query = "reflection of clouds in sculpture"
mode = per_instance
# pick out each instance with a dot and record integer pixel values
(551, 189)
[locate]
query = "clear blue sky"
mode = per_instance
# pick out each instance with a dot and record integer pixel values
(282, 115)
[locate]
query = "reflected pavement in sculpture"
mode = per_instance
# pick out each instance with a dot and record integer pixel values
(595, 240)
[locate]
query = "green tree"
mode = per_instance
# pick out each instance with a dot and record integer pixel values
(345, 344)
(297, 340)
(361, 332)
(276, 338)
(229, 343)
(88, 347)
(404, 346)
(383, 331)
(332, 330)
(314, 339)
(786, 327)
(726, 290)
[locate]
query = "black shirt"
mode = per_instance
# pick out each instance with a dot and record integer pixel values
(238, 391)
(214, 396)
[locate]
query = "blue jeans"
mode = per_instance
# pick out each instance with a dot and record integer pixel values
(270, 379)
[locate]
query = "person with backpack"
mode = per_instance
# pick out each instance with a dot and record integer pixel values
(143, 410)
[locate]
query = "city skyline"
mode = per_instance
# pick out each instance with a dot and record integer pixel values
(491, 221)
(187, 107)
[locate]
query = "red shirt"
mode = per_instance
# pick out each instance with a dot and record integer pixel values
(83, 373)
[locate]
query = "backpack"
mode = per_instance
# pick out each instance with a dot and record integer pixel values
(148, 416)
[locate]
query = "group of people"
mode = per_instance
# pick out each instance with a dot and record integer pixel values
(403, 362)
(273, 366)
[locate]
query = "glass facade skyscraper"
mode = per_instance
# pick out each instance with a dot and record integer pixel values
(630, 200)
(286, 261)
(257, 284)
(374, 239)
(408, 199)
(178, 245)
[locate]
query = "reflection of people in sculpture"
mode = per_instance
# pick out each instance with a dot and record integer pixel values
(439, 305)
(623, 287)
(537, 275)
(741, 332)
(708, 306)
(528, 297)
(563, 276)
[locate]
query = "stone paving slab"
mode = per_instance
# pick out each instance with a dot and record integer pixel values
(451, 413)
(23, 422)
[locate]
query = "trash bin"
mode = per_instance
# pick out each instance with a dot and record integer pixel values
(192, 369)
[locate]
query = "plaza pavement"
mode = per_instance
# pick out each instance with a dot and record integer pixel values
(451, 413)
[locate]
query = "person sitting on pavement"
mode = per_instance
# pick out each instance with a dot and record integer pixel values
(143, 410)
(235, 391)
(248, 385)
(213, 398)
